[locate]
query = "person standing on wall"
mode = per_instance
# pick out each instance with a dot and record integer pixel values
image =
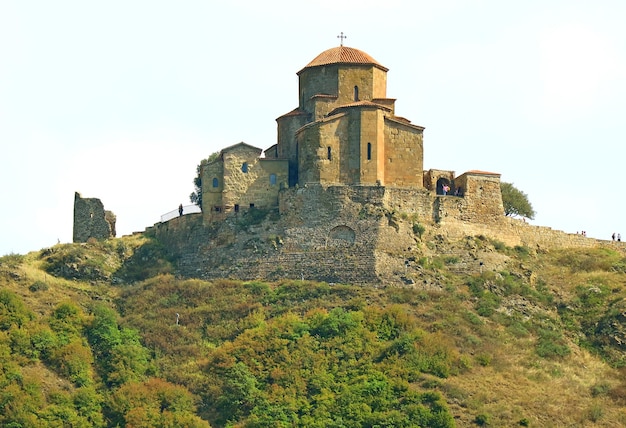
(180, 210)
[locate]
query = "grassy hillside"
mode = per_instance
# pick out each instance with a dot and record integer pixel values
(105, 334)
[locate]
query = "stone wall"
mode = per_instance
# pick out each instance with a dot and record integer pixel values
(365, 79)
(514, 232)
(404, 154)
(91, 220)
(345, 234)
(287, 147)
(243, 180)
(314, 81)
(212, 186)
(314, 141)
(433, 176)
(372, 147)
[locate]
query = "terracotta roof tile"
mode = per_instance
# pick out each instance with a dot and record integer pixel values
(343, 55)
(358, 104)
(363, 103)
(294, 112)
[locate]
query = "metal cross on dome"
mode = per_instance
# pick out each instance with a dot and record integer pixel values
(341, 37)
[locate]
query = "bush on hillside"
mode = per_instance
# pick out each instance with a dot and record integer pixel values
(148, 260)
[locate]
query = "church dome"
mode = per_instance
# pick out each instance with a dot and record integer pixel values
(343, 55)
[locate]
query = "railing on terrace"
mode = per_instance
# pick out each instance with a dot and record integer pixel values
(187, 209)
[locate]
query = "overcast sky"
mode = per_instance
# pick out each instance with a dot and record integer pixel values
(120, 100)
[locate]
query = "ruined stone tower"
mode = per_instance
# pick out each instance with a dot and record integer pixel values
(91, 220)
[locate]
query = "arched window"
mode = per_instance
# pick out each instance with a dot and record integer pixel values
(216, 182)
(272, 179)
(369, 151)
(329, 155)
(244, 167)
(356, 93)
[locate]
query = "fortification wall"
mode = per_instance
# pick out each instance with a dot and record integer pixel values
(343, 234)
(514, 232)
(268, 250)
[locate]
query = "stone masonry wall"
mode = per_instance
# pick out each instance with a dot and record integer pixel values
(212, 173)
(341, 234)
(372, 135)
(91, 220)
(363, 78)
(404, 155)
(318, 80)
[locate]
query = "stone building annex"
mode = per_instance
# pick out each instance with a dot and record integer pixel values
(342, 196)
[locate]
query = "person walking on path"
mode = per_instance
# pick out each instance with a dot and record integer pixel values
(180, 209)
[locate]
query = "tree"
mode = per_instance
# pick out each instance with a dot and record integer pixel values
(196, 195)
(516, 202)
(154, 403)
(119, 354)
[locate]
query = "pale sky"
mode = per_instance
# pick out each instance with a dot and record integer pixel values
(120, 100)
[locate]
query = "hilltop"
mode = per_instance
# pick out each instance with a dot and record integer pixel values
(106, 333)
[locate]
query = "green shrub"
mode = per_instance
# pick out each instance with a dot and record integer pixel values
(74, 361)
(542, 293)
(589, 259)
(487, 304)
(418, 229)
(483, 359)
(551, 344)
(149, 260)
(499, 245)
(522, 251)
(591, 295)
(11, 260)
(450, 260)
(472, 318)
(482, 420)
(86, 262)
(599, 389)
(292, 291)
(478, 283)
(518, 329)
(258, 288)
(38, 286)
(595, 413)
(13, 311)
(337, 322)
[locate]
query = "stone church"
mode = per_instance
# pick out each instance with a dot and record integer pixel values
(342, 196)
(345, 131)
